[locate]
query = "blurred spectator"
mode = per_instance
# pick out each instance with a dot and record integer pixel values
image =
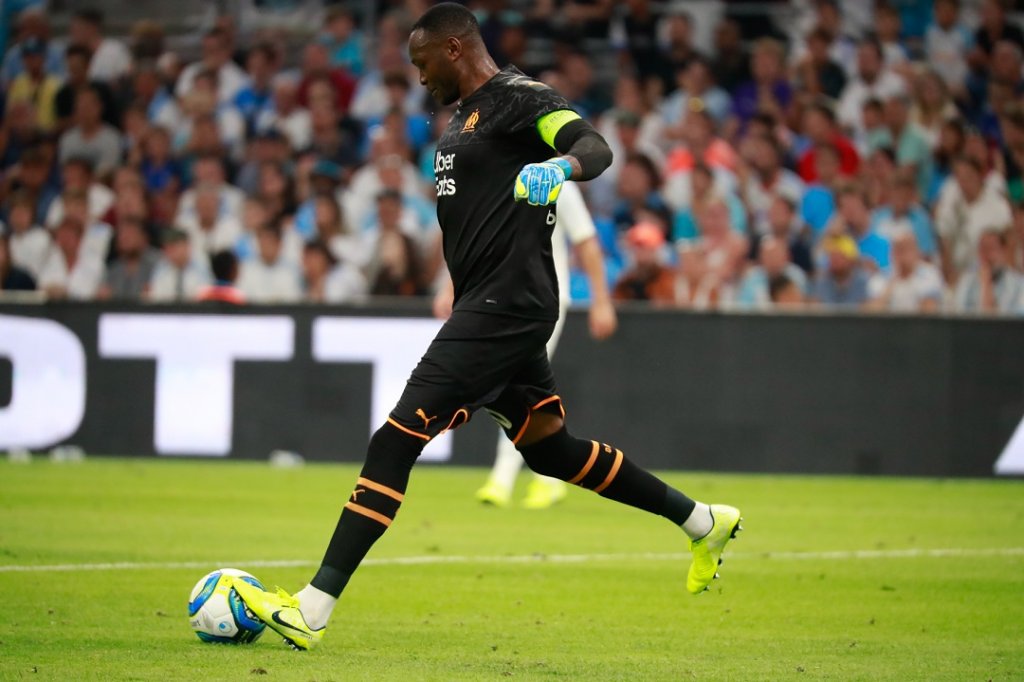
(177, 276)
(819, 202)
(371, 99)
(327, 280)
(910, 144)
(904, 213)
(784, 225)
(269, 277)
(343, 41)
(933, 106)
(994, 29)
(77, 57)
(31, 24)
(129, 274)
(89, 137)
(819, 122)
(948, 41)
(678, 49)
(638, 194)
(872, 81)
(149, 92)
(724, 248)
(394, 268)
(786, 294)
(731, 65)
(286, 116)
(147, 40)
(97, 234)
(991, 286)
(208, 170)
(696, 286)
(71, 270)
(690, 193)
(36, 87)
(915, 285)
(768, 91)
(817, 73)
(159, 169)
(12, 277)
(31, 178)
(224, 266)
(634, 32)
(210, 230)
(843, 282)
(255, 96)
(888, 29)
(696, 89)
(77, 178)
(853, 219)
(966, 209)
(774, 262)
(767, 179)
(316, 66)
(29, 244)
(700, 142)
(648, 278)
(216, 57)
(110, 60)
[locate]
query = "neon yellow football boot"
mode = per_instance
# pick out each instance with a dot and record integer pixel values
(544, 492)
(707, 552)
(493, 493)
(280, 611)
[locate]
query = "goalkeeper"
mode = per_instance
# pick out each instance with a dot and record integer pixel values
(500, 166)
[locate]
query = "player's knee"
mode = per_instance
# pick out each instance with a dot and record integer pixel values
(542, 425)
(390, 449)
(550, 455)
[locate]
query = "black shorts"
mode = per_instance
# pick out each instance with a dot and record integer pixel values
(480, 360)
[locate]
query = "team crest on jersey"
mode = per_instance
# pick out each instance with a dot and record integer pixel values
(471, 122)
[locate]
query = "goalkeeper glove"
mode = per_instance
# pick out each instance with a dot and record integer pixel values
(541, 183)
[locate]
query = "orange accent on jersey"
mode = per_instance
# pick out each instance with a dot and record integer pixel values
(406, 430)
(382, 489)
(455, 416)
(369, 513)
(586, 467)
(611, 474)
(357, 492)
(423, 415)
(471, 121)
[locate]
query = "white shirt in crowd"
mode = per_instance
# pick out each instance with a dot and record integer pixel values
(111, 61)
(230, 78)
(961, 224)
(947, 52)
(231, 201)
(759, 197)
(169, 284)
(345, 284)
(908, 294)
(857, 93)
(222, 237)
(81, 282)
(262, 282)
(30, 249)
(297, 127)
(573, 225)
(100, 199)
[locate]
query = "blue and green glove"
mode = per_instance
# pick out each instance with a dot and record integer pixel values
(541, 183)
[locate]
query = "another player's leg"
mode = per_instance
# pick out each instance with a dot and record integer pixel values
(374, 502)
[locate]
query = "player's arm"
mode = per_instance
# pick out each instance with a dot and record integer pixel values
(603, 320)
(584, 156)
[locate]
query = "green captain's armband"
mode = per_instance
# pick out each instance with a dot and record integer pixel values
(548, 125)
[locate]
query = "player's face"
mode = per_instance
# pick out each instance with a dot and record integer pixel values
(434, 58)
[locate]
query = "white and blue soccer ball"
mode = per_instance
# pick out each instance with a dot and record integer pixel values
(218, 614)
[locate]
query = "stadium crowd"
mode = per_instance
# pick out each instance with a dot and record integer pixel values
(865, 159)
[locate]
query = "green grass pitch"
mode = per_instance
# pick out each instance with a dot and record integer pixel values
(833, 578)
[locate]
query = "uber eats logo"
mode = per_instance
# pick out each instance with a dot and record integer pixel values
(442, 163)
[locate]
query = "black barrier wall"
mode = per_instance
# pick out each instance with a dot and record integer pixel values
(815, 394)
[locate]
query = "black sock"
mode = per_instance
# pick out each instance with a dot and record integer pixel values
(371, 508)
(607, 472)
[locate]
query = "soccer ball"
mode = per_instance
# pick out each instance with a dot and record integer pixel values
(218, 614)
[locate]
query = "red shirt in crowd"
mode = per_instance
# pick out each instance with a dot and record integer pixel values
(849, 160)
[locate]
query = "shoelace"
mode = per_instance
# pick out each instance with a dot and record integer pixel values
(287, 599)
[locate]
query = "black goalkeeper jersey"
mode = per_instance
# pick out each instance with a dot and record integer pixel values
(498, 250)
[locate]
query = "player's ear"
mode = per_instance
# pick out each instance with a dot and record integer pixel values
(453, 47)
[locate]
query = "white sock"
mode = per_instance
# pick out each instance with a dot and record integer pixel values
(315, 606)
(699, 523)
(507, 464)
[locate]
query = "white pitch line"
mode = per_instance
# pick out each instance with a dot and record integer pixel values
(838, 555)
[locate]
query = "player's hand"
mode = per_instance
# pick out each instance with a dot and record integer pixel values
(541, 183)
(603, 320)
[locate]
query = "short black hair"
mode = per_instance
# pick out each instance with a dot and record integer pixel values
(90, 15)
(77, 51)
(449, 19)
(224, 265)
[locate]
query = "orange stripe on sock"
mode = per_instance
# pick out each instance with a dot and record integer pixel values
(382, 489)
(586, 467)
(611, 474)
(369, 513)
(406, 430)
(545, 402)
(519, 436)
